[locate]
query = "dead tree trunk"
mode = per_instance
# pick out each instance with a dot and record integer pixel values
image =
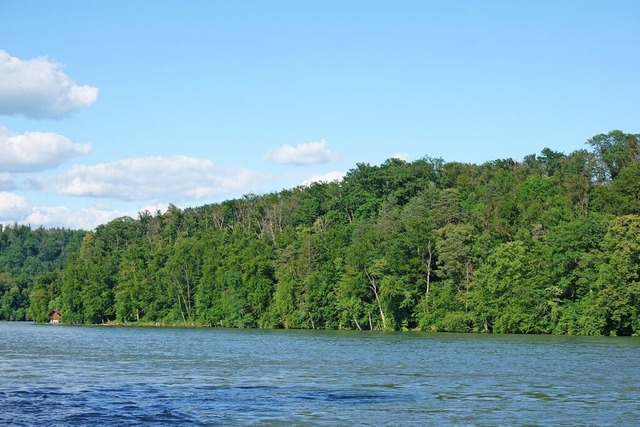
(376, 292)
(427, 267)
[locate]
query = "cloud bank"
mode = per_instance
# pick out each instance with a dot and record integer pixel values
(36, 151)
(15, 208)
(327, 177)
(86, 218)
(156, 179)
(310, 153)
(12, 206)
(38, 88)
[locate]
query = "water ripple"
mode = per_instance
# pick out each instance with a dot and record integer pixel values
(157, 377)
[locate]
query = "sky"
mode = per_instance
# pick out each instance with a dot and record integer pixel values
(111, 108)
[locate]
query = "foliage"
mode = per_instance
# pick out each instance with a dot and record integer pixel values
(30, 261)
(547, 245)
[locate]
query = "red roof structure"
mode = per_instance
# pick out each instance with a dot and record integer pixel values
(54, 316)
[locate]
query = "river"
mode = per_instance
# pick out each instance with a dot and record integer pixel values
(117, 376)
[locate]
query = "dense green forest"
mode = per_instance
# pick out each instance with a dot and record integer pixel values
(31, 262)
(550, 244)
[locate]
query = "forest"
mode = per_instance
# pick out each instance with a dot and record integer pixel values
(547, 245)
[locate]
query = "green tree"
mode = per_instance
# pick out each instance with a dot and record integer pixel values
(133, 294)
(42, 299)
(86, 291)
(184, 269)
(510, 291)
(625, 192)
(617, 307)
(614, 151)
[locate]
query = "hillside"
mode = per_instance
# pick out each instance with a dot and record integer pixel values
(549, 244)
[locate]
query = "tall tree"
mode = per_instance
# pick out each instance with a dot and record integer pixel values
(614, 151)
(617, 307)
(184, 269)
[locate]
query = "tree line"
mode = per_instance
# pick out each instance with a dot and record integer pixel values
(31, 258)
(549, 244)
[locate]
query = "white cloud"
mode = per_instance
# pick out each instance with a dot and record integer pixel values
(327, 177)
(36, 151)
(84, 218)
(38, 88)
(15, 208)
(168, 179)
(401, 156)
(310, 153)
(152, 209)
(12, 206)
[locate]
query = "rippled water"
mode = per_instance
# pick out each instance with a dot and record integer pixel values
(113, 376)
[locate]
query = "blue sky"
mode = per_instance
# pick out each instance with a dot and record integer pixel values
(109, 108)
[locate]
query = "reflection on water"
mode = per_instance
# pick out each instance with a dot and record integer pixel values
(146, 376)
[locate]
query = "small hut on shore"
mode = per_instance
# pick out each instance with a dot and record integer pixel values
(54, 316)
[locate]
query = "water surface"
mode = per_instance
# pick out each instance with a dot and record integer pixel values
(115, 376)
